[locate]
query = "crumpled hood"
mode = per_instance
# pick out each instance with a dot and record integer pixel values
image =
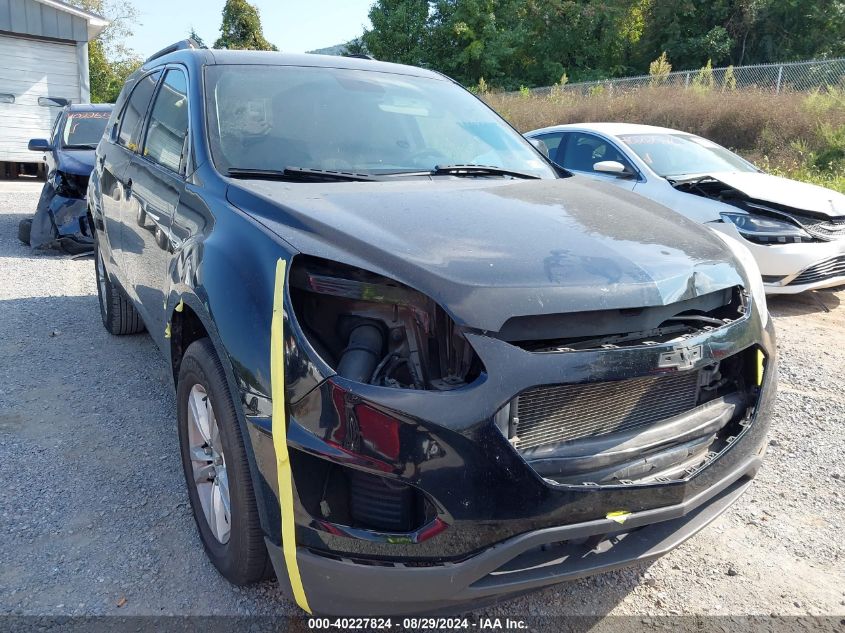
(79, 162)
(488, 250)
(791, 193)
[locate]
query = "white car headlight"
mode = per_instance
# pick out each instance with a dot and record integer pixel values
(752, 272)
(763, 230)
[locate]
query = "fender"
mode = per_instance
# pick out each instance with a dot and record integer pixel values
(230, 289)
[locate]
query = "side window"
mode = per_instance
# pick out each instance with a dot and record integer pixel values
(168, 128)
(555, 142)
(552, 141)
(133, 114)
(585, 150)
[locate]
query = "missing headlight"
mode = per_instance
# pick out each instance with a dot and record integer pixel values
(70, 185)
(375, 330)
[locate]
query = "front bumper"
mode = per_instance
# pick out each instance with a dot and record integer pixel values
(61, 223)
(784, 266)
(495, 506)
(530, 561)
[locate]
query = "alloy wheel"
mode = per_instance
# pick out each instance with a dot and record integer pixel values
(208, 463)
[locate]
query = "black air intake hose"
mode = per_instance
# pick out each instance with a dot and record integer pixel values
(362, 353)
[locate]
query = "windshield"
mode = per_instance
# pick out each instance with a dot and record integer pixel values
(84, 129)
(274, 117)
(675, 155)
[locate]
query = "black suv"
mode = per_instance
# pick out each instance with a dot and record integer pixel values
(417, 366)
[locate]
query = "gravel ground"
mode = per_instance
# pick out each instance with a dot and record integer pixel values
(95, 519)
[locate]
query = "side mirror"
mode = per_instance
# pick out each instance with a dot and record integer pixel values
(40, 145)
(540, 145)
(53, 102)
(613, 167)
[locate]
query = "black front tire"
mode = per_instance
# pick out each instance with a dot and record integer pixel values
(118, 314)
(25, 230)
(243, 559)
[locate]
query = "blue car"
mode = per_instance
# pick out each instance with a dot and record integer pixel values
(60, 220)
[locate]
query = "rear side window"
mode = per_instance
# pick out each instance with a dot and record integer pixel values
(133, 114)
(168, 128)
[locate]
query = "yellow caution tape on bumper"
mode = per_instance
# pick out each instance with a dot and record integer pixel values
(761, 362)
(620, 516)
(277, 379)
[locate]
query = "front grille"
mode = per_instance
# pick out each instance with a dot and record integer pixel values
(828, 269)
(561, 413)
(823, 229)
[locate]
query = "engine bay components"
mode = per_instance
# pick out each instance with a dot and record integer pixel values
(375, 330)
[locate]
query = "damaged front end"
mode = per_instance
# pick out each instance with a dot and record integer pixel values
(497, 462)
(479, 412)
(60, 221)
(656, 428)
(798, 243)
(767, 222)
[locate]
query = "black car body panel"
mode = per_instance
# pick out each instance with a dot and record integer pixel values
(489, 251)
(197, 251)
(60, 219)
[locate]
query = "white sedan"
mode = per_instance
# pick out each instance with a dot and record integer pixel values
(796, 231)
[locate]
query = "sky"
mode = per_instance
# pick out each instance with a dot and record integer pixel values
(295, 26)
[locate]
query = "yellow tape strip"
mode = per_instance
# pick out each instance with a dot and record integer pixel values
(761, 362)
(620, 516)
(280, 435)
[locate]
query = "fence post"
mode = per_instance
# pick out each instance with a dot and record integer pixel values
(686, 81)
(780, 77)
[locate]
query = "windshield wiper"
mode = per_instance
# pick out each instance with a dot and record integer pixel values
(298, 174)
(81, 146)
(479, 170)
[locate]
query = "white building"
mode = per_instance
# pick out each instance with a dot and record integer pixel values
(43, 55)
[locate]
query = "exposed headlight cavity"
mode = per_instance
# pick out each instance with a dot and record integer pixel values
(375, 330)
(70, 185)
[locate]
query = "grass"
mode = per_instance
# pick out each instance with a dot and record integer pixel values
(797, 135)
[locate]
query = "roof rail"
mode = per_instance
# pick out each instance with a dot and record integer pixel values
(181, 45)
(360, 56)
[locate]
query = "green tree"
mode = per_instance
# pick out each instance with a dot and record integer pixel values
(779, 30)
(659, 70)
(399, 33)
(110, 60)
(533, 42)
(729, 80)
(704, 79)
(472, 39)
(689, 32)
(196, 37)
(355, 47)
(241, 28)
(741, 31)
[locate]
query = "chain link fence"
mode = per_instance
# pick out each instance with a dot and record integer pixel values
(792, 76)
